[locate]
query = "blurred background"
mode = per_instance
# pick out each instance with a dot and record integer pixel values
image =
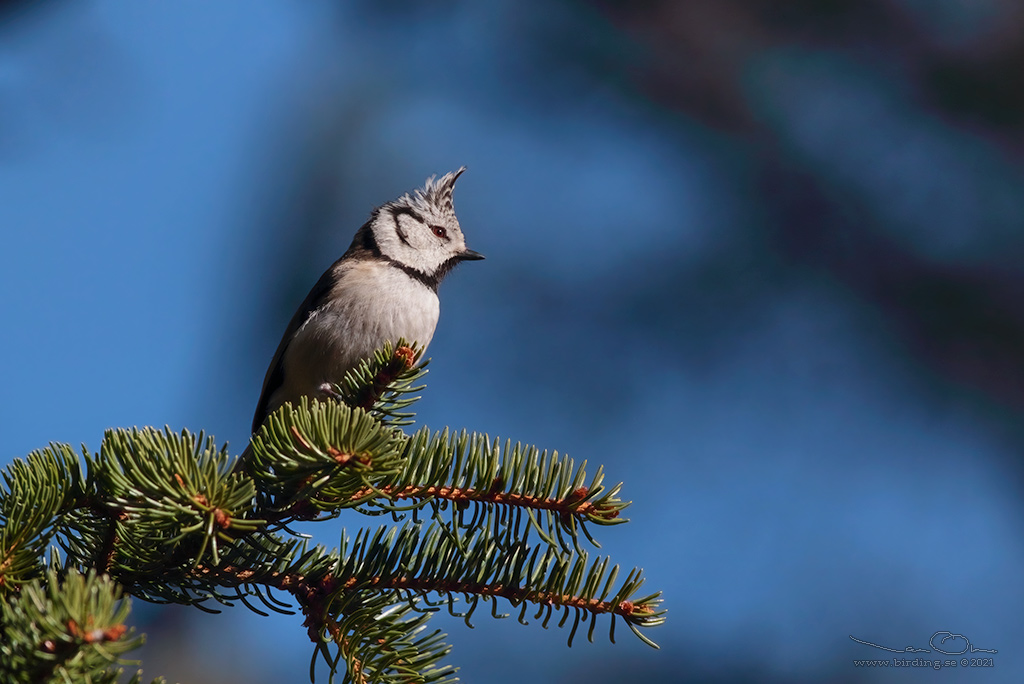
(761, 260)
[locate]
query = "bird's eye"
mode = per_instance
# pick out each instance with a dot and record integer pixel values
(439, 231)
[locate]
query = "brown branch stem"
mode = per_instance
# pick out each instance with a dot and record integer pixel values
(571, 504)
(311, 595)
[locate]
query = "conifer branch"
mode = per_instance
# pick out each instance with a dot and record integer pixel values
(65, 627)
(469, 473)
(400, 567)
(171, 517)
(382, 384)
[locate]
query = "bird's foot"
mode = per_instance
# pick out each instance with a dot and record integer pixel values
(327, 390)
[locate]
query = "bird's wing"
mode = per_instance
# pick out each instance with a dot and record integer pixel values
(275, 373)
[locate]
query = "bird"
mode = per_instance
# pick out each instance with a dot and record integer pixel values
(383, 288)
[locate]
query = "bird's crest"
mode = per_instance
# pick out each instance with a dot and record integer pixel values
(436, 194)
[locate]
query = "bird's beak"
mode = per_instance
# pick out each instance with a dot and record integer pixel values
(470, 255)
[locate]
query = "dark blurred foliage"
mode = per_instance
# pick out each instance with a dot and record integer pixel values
(698, 50)
(964, 321)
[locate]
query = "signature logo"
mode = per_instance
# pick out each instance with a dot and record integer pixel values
(939, 642)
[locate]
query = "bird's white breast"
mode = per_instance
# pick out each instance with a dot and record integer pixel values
(371, 302)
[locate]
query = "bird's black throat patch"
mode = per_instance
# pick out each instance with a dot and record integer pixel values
(365, 247)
